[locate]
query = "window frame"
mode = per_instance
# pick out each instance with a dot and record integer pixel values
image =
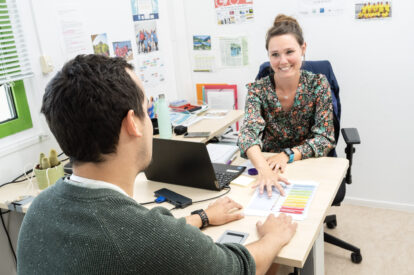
(23, 120)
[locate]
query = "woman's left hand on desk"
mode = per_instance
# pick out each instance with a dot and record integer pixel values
(278, 161)
(222, 211)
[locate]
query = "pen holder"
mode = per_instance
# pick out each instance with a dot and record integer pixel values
(47, 177)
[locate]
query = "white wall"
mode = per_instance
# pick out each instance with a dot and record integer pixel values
(43, 35)
(373, 64)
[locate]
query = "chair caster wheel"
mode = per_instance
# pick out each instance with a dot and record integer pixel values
(331, 225)
(356, 257)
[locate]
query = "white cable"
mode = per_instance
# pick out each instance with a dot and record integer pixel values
(30, 185)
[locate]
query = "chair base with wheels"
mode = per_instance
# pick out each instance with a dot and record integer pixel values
(351, 137)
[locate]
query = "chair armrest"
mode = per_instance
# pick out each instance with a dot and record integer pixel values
(351, 135)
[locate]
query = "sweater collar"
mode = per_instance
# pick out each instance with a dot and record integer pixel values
(93, 184)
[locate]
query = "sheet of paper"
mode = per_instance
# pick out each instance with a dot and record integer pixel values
(296, 202)
(234, 51)
(321, 8)
(73, 35)
(221, 153)
(204, 63)
(234, 12)
(183, 119)
(221, 99)
(214, 114)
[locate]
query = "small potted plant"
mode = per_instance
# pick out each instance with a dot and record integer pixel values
(49, 170)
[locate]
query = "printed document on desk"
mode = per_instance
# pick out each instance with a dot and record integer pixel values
(296, 202)
(221, 153)
(184, 119)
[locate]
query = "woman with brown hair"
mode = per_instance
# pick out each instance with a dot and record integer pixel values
(288, 112)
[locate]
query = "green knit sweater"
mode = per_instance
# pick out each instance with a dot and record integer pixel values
(75, 230)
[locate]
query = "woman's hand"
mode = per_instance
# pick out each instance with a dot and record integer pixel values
(222, 211)
(278, 162)
(268, 178)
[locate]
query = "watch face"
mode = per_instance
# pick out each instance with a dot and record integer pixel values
(288, 151)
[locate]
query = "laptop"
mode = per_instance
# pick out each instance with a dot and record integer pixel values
(188, 163)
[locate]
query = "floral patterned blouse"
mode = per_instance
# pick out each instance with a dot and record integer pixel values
(307, 126)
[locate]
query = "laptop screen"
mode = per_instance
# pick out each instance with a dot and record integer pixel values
(182, 163)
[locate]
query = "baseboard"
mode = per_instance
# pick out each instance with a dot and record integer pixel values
(380, 204)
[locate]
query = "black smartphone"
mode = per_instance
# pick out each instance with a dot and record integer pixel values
(230, 236)
(178, 200)
(196, 134)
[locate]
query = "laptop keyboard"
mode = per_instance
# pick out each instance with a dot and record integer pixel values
(224, 179)
(226, 173)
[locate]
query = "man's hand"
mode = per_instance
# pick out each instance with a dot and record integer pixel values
(274, 233)
(278, 162)
(222, 211)
(268, 178)
(281, 228)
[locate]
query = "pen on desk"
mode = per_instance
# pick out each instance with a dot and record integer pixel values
(232, 159)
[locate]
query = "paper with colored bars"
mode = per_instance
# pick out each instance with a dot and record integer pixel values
(296, 202)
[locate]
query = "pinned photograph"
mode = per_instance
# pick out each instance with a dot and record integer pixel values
(202, 42)
(146, 36)
(373, 10)
(100, 44)
(235, 49)
(123, 49)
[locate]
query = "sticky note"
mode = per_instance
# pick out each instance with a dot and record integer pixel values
(243, 180)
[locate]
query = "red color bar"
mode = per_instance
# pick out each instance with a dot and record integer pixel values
(290, 211)
(292, 208)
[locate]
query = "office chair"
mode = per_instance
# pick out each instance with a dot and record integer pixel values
(350, 136)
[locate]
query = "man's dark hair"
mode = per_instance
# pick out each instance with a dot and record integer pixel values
(85, 104)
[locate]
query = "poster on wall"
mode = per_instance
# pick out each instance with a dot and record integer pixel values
(233, 51)
(150, 69)
(100, 44)
(123, 49)
(320, 7)
(146, 36)
(74, 37)
(201, 42)
(233, 11)
(367, 10)
(144, 10)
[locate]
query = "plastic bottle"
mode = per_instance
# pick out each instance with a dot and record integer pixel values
(164, 122)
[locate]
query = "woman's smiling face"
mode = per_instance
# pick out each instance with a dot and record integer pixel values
(285, 55)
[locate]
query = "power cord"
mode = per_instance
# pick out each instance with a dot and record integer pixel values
(148, 202)
(228, 188)
(7, 234)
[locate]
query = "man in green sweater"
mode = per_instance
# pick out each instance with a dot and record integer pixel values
(89, 224)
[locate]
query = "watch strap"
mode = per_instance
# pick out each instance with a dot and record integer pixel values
(203, 216)
(289, 152)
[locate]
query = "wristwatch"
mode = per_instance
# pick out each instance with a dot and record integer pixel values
(290, 154)
(203, 216)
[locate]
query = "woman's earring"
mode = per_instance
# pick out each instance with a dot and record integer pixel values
(303, 57)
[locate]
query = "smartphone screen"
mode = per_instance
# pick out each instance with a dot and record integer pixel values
(233, 237)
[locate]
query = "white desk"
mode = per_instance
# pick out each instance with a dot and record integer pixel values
(329, 172)
(215, 126)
